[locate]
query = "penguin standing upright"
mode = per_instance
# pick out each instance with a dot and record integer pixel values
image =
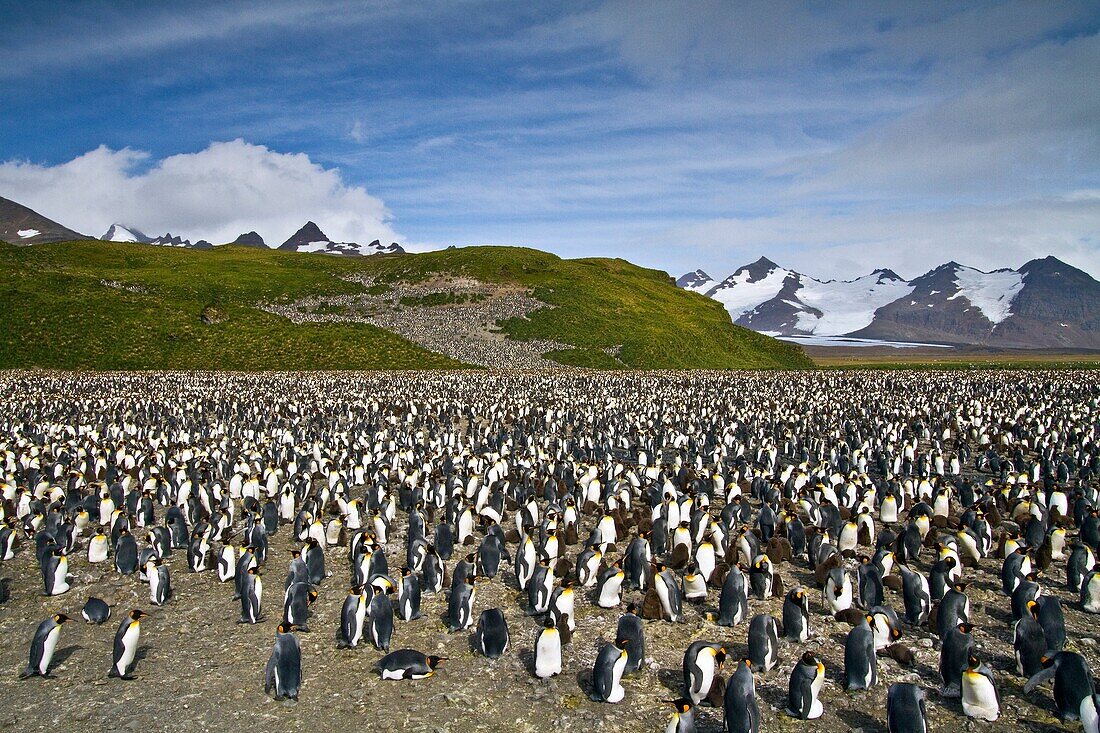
(905, 709)
(408, 595)
(609, 586)
(954, 654)
(43, 646)
(702, 663)
(860, 662)
(668, 590)
(380, 620)
(55, 573)
(763, 642)
(227, 563)
(914, 591)
(607, 674)
(631, 630)
(741, 710)
(160, 582)
(460, 606)
(804, 689)
(796, 615)
(837, 595)
(1029, 643)
(126, 645)
(283, 673)
(548, 651)
(491, 637)
(979, 691)
(352, 617)
(733, 603)
(252, 593)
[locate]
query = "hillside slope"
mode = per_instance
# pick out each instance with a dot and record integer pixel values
(100, 305)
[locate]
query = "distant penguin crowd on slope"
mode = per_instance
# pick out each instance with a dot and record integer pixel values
(759, 507)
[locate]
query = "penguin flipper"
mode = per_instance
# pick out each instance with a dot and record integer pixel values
(1039, 678)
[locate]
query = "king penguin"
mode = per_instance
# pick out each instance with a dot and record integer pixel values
(283, 673)
(43, 645)
(491, 637)
(741, 709)
(807, 677)
(126, 645)
(548, 651)
(905, 709)
(607, 674)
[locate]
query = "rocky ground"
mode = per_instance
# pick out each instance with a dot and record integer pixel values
(465, 330)
(200, 670)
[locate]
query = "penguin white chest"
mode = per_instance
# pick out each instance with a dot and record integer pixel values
(979, 699)
(48, 648)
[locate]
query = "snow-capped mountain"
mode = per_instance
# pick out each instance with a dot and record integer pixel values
(119, 233)
(310, 238)
(20, 225)
(698, 281)
(1044, 304)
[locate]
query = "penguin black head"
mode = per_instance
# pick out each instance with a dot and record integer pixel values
(548, 623)
(1033, 609)
(972, 662)
(60, 618)
(434, 661)
(254, 570)
(682, 705)
(809, 658)
(622, 643)
(1046, 661)
(137, 614)
(965, 627)
(286, 628)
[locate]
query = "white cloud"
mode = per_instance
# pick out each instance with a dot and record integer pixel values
(215, 194)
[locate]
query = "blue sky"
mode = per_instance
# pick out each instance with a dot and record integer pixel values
(831, 137)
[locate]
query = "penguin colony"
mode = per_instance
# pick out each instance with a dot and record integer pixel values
(901, 551)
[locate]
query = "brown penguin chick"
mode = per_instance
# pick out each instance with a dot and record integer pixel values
(570, 535)
(777, 585)
(620, 524)
(563, 568)
(822, 570)
(680, 557)
(642, 520)
(933, 614)
(779, 550)
(512, 536)
(652, 610)
(718, 577)
(850, 616)
(893, 582)
(845, 513)
(901, 654)
(564, 633)
(939, 521)
(590, 507)
(716, 696)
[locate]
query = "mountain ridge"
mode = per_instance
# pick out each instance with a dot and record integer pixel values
(1046, 303)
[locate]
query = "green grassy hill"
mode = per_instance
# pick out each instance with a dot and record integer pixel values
(57, 311)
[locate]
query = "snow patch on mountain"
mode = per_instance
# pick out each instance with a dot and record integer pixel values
(742, 292)
(847, 305)
(27, 233)
(120, 233)
(990, 292)
(697, 282)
